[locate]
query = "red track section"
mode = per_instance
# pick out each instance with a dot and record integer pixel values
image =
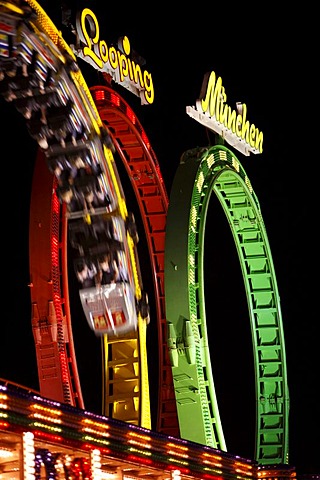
(51, 319)
(144, 172)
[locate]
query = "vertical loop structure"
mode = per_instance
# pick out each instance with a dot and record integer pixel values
(201, 172)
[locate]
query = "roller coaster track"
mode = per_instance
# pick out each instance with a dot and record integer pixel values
(141, 164)
(186, 387)
(126, 394)
(134, 150)
(201, 172)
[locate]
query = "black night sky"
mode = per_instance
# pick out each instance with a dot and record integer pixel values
(266, 70)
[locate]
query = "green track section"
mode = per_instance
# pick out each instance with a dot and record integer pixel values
(203, 171)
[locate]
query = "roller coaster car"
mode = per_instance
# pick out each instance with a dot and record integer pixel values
(110, 309)
(109, 299)
(96, 238)
(39, 79)
(84, 181)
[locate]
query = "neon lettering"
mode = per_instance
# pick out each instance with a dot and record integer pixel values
(213, 111)
(116, 62)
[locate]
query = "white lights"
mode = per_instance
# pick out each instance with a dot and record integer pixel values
(96, 464)
(28, 455)
(4, 453)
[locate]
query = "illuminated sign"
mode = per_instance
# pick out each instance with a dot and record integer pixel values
(116, 62)
(213, 112)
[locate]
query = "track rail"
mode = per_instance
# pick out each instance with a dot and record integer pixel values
(51, 317)
(143, 170)
(202, 172)
(141, 164)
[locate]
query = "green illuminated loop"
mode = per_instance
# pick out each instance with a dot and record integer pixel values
(201, 172)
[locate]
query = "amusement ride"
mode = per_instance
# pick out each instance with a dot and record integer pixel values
(79, 210)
